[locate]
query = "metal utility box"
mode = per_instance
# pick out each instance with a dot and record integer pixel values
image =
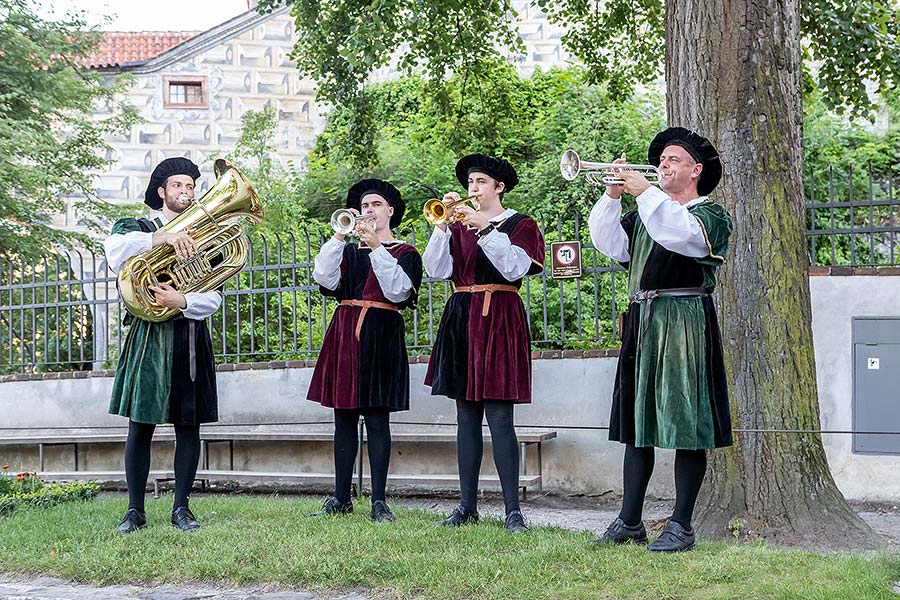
(876, 385)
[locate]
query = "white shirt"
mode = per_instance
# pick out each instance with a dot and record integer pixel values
(668, 223)
(119, 247)
(395, 284)
(510, 260)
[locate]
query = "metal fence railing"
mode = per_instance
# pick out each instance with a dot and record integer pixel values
(852, 220)
(62, 312)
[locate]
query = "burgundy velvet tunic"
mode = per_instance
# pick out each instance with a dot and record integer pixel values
(485, 358)
(373, 371)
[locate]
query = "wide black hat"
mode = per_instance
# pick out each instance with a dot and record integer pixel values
(700, 148)
(497, 168)
(383, 189)
(171, 166)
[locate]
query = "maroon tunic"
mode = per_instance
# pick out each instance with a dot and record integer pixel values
(477, 357)
(373, 371)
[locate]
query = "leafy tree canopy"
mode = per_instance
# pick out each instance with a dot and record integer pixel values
(50, 141)
(620, 42)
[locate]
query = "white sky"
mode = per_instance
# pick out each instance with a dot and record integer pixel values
(148, 15)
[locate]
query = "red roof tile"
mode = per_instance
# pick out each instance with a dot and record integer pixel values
(120, 47)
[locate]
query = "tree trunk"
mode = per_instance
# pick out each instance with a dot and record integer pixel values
(733, 74)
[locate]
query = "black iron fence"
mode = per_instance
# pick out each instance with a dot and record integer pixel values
(62, 312)
(852, 220)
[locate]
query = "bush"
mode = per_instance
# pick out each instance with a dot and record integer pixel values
(27, 490)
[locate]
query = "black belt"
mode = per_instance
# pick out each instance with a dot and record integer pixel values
(649, 296)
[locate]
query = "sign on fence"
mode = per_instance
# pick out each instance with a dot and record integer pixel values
(565, 259)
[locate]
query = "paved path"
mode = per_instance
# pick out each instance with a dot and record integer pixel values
(45, 588)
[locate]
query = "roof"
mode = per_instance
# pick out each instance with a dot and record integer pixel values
(119, 47)
(187, 46)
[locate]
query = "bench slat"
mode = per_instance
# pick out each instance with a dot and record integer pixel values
(433, 479)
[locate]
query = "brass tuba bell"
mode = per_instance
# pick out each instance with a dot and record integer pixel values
(215, 224)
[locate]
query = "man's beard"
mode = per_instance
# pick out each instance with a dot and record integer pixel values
(175, 206)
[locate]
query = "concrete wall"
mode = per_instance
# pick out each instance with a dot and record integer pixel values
(835, 301)
(572, 395)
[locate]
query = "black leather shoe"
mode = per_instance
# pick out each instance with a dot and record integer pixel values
(620, 533)
(674, 538)
(460, 516)
(515, 522)
(381, 512)
(333, 506)
(184, 519)
(133, 520)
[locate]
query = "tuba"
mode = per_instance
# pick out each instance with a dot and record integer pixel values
(215, 224)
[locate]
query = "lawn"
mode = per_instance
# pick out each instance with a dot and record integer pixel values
(258, 539)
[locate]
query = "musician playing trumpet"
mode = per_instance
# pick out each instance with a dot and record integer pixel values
(363, 368)
(166, 371)
(482, 354)
(670, 389)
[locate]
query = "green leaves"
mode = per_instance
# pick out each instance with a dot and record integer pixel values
(50, 140)
(620, 42)
(852, 42)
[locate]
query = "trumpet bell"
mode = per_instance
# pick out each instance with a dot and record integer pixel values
(434, 211)
(569, 165)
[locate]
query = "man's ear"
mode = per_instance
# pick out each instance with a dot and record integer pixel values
(698, 172)
(162, 192)
(501, 187)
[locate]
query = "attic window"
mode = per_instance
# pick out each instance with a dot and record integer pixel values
(185, 92)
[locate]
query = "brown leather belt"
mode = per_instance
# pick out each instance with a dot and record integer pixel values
(366, 305)
(488, 289)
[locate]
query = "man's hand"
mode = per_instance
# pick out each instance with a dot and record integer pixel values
(615, 191)
(635, 182)
(168, 296)
(366, 232)
(182, 243)
(448, 198)
(472, 218)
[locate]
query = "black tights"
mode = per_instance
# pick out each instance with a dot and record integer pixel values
(470, 449)
(690, 467)
(346, 445)
(137, 461)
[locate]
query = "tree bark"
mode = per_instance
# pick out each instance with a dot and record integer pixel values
(733, 74)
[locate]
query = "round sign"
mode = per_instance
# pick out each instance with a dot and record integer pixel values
(565, 255)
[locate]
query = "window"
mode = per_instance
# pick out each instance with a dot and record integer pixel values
(184, 92)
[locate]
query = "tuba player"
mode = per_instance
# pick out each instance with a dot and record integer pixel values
(166, 372)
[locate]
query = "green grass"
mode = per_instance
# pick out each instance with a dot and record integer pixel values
(246, 540)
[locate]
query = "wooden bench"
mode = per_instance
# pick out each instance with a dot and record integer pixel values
(526, 437)
(231, 434)
(70, 439)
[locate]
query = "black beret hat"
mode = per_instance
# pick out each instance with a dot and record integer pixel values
(700, 148)
(164, 170)
(497, 168)
(383, 189)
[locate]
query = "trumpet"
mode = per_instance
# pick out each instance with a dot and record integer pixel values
(436, 211)
(602, 173)
(344, 221)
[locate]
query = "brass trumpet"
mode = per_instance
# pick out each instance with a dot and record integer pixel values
(436, 211)
(344, 221)
(602, 173)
